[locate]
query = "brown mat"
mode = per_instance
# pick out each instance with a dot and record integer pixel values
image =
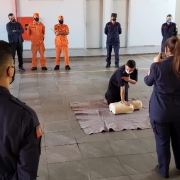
(95, 117)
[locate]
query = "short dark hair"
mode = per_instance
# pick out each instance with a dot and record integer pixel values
(10, 14)
(5, 56)
(169, 15)
(131, 63)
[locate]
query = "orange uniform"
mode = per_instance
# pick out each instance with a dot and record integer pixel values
(36, 31)
(61, 43)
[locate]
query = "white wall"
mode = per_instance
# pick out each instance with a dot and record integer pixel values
(177, 17)
(145, 20)
(72, 10)
(5, 8)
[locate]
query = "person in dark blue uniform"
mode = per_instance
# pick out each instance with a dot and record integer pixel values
(164, 108)
(20, 132)
(15, 31)
(168, 30)
(112, 30)
(118, 83)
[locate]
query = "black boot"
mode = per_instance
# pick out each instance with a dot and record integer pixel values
(117, 65)
(44, 68)
(67, 67)
(33, 68)
(107, 65)
(56, 67)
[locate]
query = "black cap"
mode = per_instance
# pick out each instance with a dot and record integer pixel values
(113, 15)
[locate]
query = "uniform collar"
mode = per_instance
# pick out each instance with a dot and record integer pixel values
(4, 90)
(170, 58)
(36, 23)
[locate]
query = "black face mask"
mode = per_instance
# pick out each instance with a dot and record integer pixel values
(13, 20)
(114, 19)
(61, 22)
(13, 77)
(36, 19)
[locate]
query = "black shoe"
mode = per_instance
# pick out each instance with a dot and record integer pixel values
(157, 170)
(117, 65)
(34, 68)
(107, 65)
(67, 67)
(44, 68)
(56, 67)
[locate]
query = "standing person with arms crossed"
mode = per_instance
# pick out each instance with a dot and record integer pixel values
(112, 30)
(36, 30)
(15, 31)
(20, 132)
(164, 105)
(61, 31)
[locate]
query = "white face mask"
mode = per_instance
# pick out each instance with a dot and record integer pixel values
(129, 72)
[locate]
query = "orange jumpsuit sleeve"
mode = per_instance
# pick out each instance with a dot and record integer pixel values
(43, 29)
(29, 29)
(67, 29)
(55, 28)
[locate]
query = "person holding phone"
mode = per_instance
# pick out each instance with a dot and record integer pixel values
(164, 105)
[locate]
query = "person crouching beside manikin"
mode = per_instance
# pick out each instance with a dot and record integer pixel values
(119, 83)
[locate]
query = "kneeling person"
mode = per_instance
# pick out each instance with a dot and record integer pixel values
(118, 83)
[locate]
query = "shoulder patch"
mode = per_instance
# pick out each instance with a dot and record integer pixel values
(38, 131)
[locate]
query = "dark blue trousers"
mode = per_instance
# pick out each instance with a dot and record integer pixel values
(113, 96)
(164, 132)
(116, 52)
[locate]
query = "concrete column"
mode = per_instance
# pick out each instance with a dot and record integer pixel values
(107, 10)
(177, 16)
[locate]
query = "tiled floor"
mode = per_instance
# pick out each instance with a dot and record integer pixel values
(69, 154)
(50, 53)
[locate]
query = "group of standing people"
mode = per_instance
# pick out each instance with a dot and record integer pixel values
(20, 131)
(36, 31)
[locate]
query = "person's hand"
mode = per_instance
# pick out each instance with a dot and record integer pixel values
(148, 73)
(158, 58)
(127, 79)
(125, 103)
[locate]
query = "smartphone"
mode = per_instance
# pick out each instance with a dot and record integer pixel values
(162, 55)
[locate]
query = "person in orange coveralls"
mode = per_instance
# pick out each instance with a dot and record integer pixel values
(36, 31)
(61, 42)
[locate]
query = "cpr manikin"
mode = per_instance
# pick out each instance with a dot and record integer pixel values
(120, 108)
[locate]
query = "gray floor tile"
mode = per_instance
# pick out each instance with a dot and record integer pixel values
(138, 163)
(96, 150)
(81, 137)
(42, 172)
(75, 170)
(143, 133)
(60, 115)
(57, 126)
(130, 146)
(126, 134)
(104, 168)
(117, 178)
(43, 158)
(147, 176)
(75, 125)
(63, 153)
(149, 143)
(59, 138)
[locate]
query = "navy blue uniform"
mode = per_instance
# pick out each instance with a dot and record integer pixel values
(16, 40)
(113, 93)
(19, 144)
(164, 112)
(112, 31)
(167, 32)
